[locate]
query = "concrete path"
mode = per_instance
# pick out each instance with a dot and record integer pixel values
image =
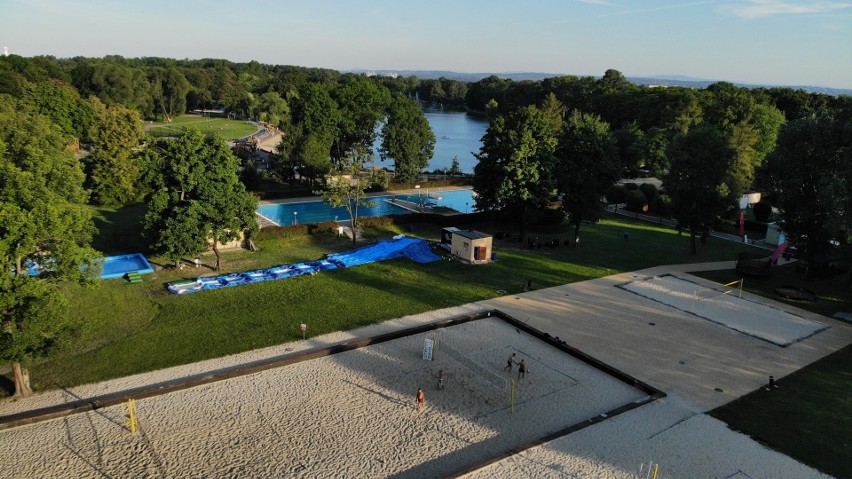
(702, 362)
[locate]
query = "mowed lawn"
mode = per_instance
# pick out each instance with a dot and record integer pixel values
(225, 128)
(808, 417)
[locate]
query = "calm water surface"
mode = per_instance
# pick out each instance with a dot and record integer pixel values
(456, 134)
(285, 214)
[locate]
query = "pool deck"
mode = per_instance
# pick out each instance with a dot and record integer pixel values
(265, 222)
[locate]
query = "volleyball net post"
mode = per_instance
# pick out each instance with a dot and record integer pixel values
(704, 294)
(131, 414)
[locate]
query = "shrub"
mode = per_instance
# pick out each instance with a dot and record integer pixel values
(650, 192)
(616, 194)
(762, 211)
(662, 205)
(278, 232)
(636, 200)
(631, 186)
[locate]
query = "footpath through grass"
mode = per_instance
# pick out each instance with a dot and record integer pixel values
(133, 328)
(808, 417)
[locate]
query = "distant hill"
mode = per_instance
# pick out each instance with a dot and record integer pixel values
(661, 80)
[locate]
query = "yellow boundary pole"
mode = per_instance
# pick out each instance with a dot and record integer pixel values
(131, 410)
(656, 468)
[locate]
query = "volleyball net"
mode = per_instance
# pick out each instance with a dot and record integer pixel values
(498, 381)
(734, 288)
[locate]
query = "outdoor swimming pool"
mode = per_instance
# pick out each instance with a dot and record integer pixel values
(118, 266)
(317, 211)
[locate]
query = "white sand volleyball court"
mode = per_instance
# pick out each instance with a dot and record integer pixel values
(724, 306)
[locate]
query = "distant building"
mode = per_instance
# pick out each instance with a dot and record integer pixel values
(749, 198)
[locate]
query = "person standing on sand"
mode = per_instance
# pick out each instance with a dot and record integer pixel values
(522, 369)
(440, 376)
(509, 363)
(420, 398)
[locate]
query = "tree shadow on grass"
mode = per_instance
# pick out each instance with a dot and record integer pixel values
(119, 230)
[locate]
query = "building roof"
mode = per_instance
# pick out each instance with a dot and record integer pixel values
(473, 235)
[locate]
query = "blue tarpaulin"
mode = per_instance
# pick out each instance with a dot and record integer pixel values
(414, 249)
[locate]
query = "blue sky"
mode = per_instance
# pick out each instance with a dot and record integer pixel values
(778, 42)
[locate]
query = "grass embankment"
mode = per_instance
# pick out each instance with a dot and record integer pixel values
(129, 329)
(809, 416)
(225, 128)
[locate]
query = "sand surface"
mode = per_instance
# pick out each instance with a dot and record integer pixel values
(724, 306)
(354, 415)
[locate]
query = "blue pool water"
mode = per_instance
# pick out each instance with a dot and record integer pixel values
(286, 214)
(118, 266)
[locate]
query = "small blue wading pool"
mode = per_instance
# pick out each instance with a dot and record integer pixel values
(118, 266)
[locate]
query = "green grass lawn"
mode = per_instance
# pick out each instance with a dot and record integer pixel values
(809, 416)
(225, 128)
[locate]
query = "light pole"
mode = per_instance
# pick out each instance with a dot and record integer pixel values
(419, 199)
(295, 218)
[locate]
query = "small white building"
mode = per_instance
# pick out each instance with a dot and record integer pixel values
(774, 235)
(472, 246)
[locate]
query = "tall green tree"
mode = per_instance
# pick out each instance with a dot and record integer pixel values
(652, 150)
(42, 224)
(168, 89)
(198, 198)
(347, 185)
(118, 84)
(64, 107)
(407, 139)
(696, 182)
(810, 174)
(362, 104)
(515, 168)
(271, 108)
(113, 171)
(587, 165)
